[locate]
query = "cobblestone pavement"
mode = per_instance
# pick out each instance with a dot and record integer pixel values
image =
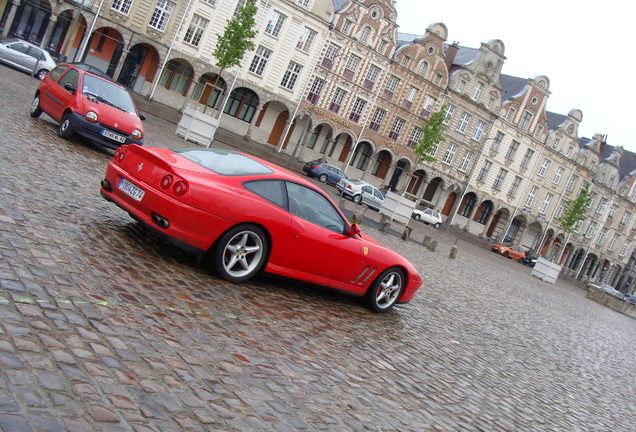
(105, 328)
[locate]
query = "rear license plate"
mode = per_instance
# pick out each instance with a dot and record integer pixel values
(115, 137)
(130, 189)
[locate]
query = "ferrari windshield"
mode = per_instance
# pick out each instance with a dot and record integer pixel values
(224, 162)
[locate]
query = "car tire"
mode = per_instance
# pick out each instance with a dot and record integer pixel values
(520, 260)
(357, 199)
(506, 255)
(34, 110)
(436, 226)
(323, 178)
(385, 290)
(41, 74)
(240, 253)
(65, 129)
(417, 217)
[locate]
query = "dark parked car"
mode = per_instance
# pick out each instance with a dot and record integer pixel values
(530, 259)
(324, 172)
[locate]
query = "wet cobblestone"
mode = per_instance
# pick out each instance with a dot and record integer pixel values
(103, 327)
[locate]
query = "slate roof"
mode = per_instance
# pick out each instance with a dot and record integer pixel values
(512, 86)
(465, 56)
(338, 4)
(555, 120)
(406, 38)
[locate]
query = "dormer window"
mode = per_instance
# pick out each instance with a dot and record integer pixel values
(525, 120)
(477, 91)
(421, 70)
(366, 32)
(346, 27)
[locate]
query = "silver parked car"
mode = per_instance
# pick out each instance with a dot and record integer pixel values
(26, 56)
(607, 289)
(372, 197)
(354, 188)
(428, 216)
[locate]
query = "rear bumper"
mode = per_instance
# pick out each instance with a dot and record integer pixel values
(189, 228)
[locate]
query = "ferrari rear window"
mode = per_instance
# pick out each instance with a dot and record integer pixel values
(225, 162)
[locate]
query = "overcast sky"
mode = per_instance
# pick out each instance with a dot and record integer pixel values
(586, 49)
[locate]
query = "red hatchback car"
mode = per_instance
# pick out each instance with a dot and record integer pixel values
(241, 215)
(86, 102)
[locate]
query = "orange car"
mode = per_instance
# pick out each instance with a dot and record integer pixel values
(510, 251)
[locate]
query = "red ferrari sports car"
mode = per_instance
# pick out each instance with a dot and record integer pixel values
(241, 215)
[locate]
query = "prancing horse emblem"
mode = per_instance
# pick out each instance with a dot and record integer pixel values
(140, 167)
(366, 250)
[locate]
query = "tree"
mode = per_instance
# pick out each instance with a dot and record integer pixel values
(431, 136)
(235, 41)
(237, 37)
(575, 210)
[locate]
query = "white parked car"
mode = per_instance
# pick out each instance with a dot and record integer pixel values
(361, 192)
(428, 216)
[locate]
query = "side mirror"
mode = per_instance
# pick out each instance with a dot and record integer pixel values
(354, 229)
(69, 87)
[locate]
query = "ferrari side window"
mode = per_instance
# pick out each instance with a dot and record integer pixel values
(272, 190)
(311, 206)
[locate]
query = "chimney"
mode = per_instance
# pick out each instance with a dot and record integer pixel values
(451, 52)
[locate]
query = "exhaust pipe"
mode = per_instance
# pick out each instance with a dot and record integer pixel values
(106, 185)
(160, 221)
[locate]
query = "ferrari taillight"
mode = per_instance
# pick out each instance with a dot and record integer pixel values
(119, 155)
(166, 181)
(180, 188)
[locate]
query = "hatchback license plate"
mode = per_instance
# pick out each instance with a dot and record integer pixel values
(130, 189)
(115, 137)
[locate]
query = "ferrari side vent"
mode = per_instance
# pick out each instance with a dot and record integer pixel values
(364, 275)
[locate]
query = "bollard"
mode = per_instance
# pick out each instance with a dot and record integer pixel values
(357, 217)
(407, 233)
(427, 240)
(433, 245)
(453, 252)
(386, 226)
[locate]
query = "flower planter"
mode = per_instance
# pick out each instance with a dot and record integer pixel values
(197, 126)
(545, 270)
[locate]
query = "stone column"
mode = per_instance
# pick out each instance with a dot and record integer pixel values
(49, 31)
(257, 113)
(13, 8)
(487, 223)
